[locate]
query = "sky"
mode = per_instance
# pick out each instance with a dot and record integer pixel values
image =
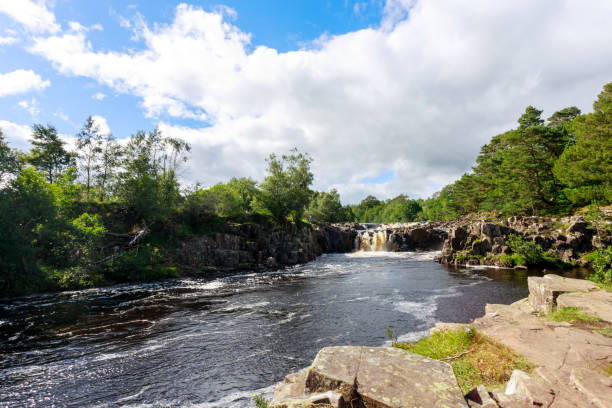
(388, 97)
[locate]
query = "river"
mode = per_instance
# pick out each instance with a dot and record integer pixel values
(214, 342)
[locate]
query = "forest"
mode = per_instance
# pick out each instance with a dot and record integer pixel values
(107, 211)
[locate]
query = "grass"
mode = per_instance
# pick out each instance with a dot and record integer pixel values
(476, 359)
(606, 331)
(572, 315)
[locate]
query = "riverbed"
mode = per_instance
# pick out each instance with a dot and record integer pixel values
(214, 342)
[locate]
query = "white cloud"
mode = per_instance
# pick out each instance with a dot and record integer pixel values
(16, 135)
(8, 40)
(102, 124)
(21, 81)
(415, 97)
(33, 107)
(99, 96)
(33, 15)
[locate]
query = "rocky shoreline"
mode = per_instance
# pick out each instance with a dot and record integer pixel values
(571, 362)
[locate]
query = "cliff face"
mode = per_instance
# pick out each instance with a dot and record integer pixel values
(485, 242)
(253, 246)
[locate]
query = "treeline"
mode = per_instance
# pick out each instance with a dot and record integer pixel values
(111, 212)
(542, 167)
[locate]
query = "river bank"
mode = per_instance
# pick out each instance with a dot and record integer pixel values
(563, 330)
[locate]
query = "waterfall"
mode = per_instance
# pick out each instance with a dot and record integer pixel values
(371, 240)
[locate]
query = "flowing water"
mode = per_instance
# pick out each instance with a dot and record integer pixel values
(214, 342)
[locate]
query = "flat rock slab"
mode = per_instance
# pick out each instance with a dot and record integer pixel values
(596, 303)
(385, 377)
(544, 291)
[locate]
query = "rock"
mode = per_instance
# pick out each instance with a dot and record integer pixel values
(490, 230)
(293, 386)
(597, 303)
(327, 399)
(532, 389)
(271, 262)
(382, 377)
(479, 398)
(578, 224)
(594, 386)
(543, 292)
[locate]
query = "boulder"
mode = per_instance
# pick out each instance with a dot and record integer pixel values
(597, 303)
(381, 377)
(594, 385)
(543, 291)
(578, 224)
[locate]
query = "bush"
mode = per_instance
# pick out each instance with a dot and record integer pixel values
(601, 262)
(526, 252)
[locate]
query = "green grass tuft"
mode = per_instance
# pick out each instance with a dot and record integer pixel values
(572, 314)
(606, 331)
(485, 361)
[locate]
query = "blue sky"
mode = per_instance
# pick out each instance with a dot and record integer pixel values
(388, 96)
(283, 25)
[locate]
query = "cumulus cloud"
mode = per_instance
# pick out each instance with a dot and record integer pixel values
(33, 15)
(415, 97)
(102, 124)
(20, 81)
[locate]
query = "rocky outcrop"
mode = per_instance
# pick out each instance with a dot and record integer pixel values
(544, 291)
(571, 362)
(371, 377)
(255, 246)
(485, 242)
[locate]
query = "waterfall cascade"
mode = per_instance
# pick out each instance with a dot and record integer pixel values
(371, 240)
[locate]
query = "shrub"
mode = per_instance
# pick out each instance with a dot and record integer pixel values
(529, 253)
(261, 401)
(601, 262)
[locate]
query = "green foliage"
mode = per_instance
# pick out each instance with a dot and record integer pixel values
(476, 359)
(601, 262)
(9, 160)
(261, 401)
(526, 252)
(285, 192)
(572, 315)
(585, 166)
(49, 154)
(537, 168)
(398, 209)
(326, 207)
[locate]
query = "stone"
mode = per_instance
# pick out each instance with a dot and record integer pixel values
(442, 326)
(381, 377)
(593, 385)
(327, 399)
(479, 398)
(597, 303)
(529, 388)
(293, 386)
(578, 224)
(543, 291)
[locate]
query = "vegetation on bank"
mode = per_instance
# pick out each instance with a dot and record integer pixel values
(540, 168)
(111, 211)
(476, 359)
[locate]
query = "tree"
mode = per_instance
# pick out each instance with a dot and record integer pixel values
(286, 190)
(246, 190)
(9, 161)
(111, 155)
(89, 145)
(48, 154)
(585, 167)
(326, 207)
